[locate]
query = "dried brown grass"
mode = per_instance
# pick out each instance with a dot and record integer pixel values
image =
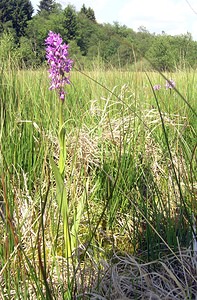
(172, 277)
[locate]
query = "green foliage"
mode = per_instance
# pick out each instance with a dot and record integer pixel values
(26, 56)
(143, 41)
(88, 12)
(70, 24)
(85, 31)
(15, 14)
(37, 34)
(113, 44)
(8, 51)
(161, 54)
(46, 6)
(184, 50)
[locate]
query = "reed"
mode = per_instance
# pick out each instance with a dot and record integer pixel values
(131, 162)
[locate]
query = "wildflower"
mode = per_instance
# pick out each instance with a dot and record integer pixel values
(60, 64)
(170, 84)
(157, 87)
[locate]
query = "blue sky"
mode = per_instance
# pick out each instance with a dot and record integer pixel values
(172, 16)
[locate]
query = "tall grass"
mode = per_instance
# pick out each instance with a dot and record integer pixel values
(131, 159)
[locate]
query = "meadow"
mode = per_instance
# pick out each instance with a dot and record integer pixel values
(130, 186)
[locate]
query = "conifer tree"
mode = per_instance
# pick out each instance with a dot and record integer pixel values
(46, 6)
(14, 15)
(83, 9)
(70, 23)
(88, 12)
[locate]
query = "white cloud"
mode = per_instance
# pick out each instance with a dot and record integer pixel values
(169, 15)
(163, 10)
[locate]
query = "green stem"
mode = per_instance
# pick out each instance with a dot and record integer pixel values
(62, 156)
(62, 160)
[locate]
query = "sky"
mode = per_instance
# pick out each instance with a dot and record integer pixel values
(171, 16)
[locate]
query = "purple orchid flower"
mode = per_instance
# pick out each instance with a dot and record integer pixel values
(60, 64)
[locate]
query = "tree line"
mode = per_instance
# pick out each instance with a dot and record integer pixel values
(23, 31)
